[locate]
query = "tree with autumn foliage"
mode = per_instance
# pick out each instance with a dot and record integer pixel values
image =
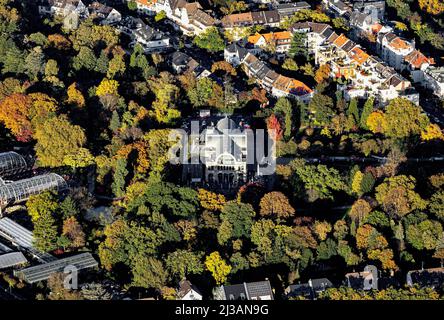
(210, 200)
(323, 73)
(274, 128)
(75, 96)
(223, 66)
(397, 196)
(432, 132)
(56, 139)
(218, 267)
(23, 113)
(74, 232)
(276, 204)
(435, 7)
(376, 122)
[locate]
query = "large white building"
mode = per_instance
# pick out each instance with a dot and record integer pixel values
(222, 155)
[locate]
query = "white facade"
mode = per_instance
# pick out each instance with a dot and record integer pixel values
(192, 295)
(224, 153)
(434, 80)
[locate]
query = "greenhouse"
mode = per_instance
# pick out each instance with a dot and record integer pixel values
(20, 190)
(44, 271)
(11, 163)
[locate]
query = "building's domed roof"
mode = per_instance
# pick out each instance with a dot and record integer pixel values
(226, 124)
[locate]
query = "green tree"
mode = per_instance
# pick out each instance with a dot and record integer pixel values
(298, 46)
(366, 111)
(322, 108)
(240, 216)
(182, 263)
(285, 109)
(132, 5)
(35, 63)
(119, 178)
(424, 235)
(45, 232)
(353, 112)
(210, 40)
(149, 272)
(436, 205)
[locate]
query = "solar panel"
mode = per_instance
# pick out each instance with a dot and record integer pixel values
(12, 259)
(44, 271)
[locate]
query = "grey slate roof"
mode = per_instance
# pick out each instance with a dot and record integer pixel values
(257, 289)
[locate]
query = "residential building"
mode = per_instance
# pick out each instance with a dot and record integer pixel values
(152, 40)
(434, 80)
(181, 62)
(367, 75)
(62, 8)
(104, 14)
(278, 42)
(365, 280)
(416, 63)
(368, 6)
(309, 290)
(337, 7)
(433, 278)
(392, 49)
(260, 290)
(269, 18)
(276, 84)
(222, 151)
(189, 17)
(288, 9)
(187, 291)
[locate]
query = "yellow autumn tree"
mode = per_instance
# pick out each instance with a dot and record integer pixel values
(432, 6)
(75, 96)
(107, 87)
(218, 267)
(432, 132)
(376, 122)
(357, 181)
(210, 200)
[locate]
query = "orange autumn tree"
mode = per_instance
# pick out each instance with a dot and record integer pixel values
(274, 128)
(21, 113)
(276, 204)
(14, 112)
(73, 231)
(323, 73)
